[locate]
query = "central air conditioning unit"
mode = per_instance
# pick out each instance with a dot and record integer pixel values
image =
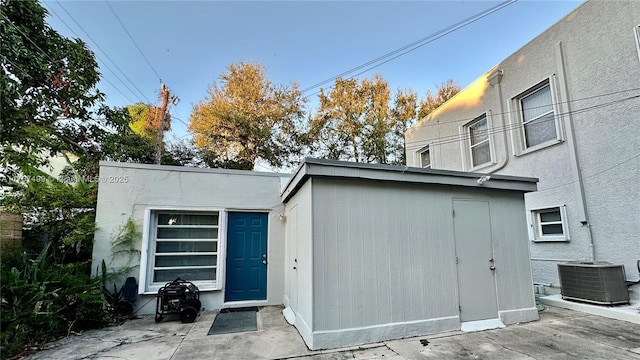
(594, 282)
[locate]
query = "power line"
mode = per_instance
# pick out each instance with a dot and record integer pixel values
(104, 52)
(105, 64)
(413, 46)
(134, 42)
(594, 174)
(509, 127)
(180, 120)
(52, 61)
(504, 128)
(427, 123)
(27, 37)
(26, 74)
(49, 57)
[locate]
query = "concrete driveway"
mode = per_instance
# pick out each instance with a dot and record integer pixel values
(559, 334)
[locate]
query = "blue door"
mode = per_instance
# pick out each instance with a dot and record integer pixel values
(246, 277)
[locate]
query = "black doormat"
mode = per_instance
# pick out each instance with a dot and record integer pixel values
(234, 320)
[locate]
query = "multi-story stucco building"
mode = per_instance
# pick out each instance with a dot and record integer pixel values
(565, 108)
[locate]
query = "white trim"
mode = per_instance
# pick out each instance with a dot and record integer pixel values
(242, 303)
(222, 249)
(518, 139)
(514, 148)
(480, 325)
(327, 339)
(636, 33)
(534, 227)
(463, 148)
(174, 168)
(144, 251)
(555, 103)
(530, 231)
(467, 146)
(428, 148)
(146, 286)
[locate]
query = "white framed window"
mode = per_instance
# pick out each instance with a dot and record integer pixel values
(548, 224)
(183, 244)
(539, 124)
(479, 141)
(636, 33)
(425, 157)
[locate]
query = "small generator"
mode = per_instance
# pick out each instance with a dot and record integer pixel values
(178, 297)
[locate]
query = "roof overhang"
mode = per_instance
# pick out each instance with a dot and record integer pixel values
(311, 167)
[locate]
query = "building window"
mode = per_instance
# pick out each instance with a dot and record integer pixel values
(548, 224)
(478, 132)
(184, 245)
(538, 118)
(425, 157)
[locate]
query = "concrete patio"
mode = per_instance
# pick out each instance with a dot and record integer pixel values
(559, 334)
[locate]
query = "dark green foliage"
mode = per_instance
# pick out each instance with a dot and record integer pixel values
(44, 77)
(59, 214)
(124, 246)
(43, 301)
(50, 106)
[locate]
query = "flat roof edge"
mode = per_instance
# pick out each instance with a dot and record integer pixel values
(408, 169)
(312, 167)
(116, 164)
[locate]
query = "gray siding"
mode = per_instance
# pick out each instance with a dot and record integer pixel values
(510, 247)
(299, 286)
(383, 254)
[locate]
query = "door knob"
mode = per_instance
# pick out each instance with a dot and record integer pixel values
(492, 267)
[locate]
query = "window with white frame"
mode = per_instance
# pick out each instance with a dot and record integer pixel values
(548, 224)
(538, 117)
(425, 157)
(185, 245)
(636, 33)
(479, 141)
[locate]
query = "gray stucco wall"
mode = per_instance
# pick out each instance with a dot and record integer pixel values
(591, 60)
(126, 191)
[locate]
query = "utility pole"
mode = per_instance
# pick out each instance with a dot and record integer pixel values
(163, 124)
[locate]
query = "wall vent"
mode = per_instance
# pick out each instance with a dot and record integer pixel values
(594, 282)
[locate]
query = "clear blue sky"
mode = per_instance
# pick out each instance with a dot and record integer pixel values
(190, 43)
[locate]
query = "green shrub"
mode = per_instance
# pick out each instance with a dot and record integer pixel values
(42, 302)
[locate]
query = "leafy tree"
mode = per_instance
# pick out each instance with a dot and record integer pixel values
(358, 121)
(337, 128)
(404, 114)
(145, 120)
(247, 117)
(50, 105)
(183, 153)
(446, 91)
(377, 136)
(48, 88)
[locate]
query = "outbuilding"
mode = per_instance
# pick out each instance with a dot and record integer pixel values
(357, 253)
(377, 252)
(218, 228)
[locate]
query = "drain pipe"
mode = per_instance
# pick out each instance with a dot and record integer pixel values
(572, 146)
(494, 79)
